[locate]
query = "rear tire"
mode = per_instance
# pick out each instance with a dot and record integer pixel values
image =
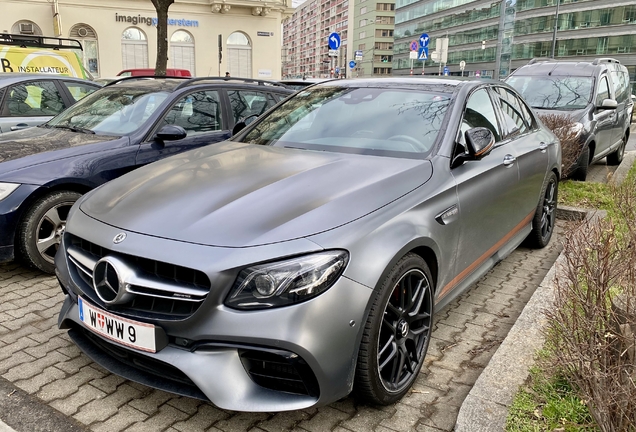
(396, 334)
(545, 215)
(617, 157)
(580, 172)
(41, 230)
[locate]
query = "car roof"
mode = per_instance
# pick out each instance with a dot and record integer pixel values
(307, 81)
(437, 84)
(561, 68)
(173, 83)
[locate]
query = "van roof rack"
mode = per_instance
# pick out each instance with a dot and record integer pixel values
(193, 81)
(605, 60)
(33, 41)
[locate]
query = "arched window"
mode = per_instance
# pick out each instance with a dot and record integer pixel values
(182, 51)
(134, 49)
(239, 55)
(26, 27)
(88, 37)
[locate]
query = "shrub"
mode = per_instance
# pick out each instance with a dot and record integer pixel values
(591, 328)
(571, 144)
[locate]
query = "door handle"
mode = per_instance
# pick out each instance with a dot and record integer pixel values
(508, 160)
(543, 146)
(19, 126)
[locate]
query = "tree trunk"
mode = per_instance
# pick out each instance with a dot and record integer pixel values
(162, 6)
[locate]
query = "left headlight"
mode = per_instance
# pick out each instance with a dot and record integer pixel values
(6, 189)
(286, 282)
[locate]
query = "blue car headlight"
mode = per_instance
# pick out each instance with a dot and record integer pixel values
(6, 189)
(287, 282)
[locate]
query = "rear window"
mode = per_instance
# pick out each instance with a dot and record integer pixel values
(554, 92)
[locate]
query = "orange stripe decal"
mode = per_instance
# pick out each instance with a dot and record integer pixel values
(468, 270)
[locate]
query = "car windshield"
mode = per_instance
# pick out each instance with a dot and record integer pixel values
(110, 111)
(381, 121)
(554, 92)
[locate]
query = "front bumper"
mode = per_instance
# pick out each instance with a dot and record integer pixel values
(319, 337)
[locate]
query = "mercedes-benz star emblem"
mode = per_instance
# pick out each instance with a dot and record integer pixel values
(119, 238)
(403, 328)
(108, 283)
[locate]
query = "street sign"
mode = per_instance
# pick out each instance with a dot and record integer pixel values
(359, 55)
(334, 41)
(333, 53)
(424, 40)
(413, 55)
(414, 45)
(337, 70)
(352, 64)
(446, 71)
(422, 53)
(462, 65)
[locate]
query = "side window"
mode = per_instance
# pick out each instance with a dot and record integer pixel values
(196, 112)
(603, 91)
(248, 102)
(37, 98)
(78, 90)
(480, 113)
(512, 113)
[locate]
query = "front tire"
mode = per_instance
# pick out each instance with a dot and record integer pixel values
(616, 157)
(582, 165)
(41, 230)
(545, 215)
(397, 333)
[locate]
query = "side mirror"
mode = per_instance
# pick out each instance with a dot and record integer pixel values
(171, 133)
(608, 104)
(479, 142)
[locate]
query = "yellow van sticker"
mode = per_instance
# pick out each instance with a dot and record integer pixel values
(35, 60)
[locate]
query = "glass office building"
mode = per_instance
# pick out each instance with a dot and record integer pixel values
(495, 37)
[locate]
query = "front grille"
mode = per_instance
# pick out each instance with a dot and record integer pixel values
(161, 290)
(280, 371)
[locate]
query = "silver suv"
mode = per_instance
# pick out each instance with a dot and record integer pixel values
(594, 94)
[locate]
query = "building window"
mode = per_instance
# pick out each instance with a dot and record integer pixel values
(363, 10)
(384, 33)
(239, 55)
(363, 23)
(382, 71)
(26, 27)
(182, 51)
(89, 55)
(134, 49)
(362, 46)
(362, 35)
(385, 20)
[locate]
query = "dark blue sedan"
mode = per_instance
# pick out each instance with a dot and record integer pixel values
(125, 125)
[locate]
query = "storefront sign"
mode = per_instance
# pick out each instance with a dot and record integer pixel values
(262, 33)
(134, 20)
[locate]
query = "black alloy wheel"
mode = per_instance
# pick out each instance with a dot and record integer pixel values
(545, 214)
(405, 330)
(397, 333)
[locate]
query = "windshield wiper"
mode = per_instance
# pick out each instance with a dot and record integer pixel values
(75, 129)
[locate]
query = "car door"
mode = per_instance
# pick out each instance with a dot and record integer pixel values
(30, 103)
(605, 118)
(486, 190)
(530, 145)
(200, 114)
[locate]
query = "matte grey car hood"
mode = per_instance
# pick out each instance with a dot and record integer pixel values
(236, 195)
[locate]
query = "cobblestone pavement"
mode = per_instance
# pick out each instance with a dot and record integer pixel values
(40, 359)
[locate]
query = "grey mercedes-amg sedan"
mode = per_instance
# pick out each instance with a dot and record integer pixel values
(304, 258)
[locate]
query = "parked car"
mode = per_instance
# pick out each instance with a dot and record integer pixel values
(151, 72)
(595, 95)
(122, 126)
(307, 255)
(31, 99)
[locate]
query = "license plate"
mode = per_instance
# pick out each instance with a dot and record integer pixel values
(133, 334)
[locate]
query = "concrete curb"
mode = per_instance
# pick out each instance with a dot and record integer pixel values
(485, 409)
(623, 169)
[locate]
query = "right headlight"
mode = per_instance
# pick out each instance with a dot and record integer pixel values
(286, 282)
(6, 189)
